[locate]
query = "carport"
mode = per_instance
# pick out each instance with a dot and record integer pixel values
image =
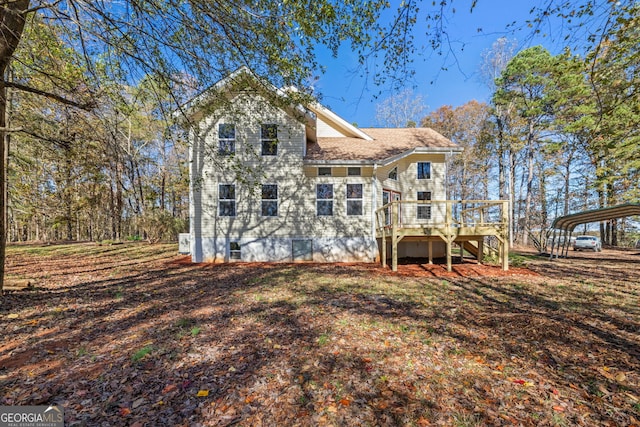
(563, 226)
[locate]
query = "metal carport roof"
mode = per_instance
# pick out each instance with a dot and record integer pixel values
(563, 226)
(570, 222)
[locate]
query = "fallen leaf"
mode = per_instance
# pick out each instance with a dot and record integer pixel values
(12, 316)
(345, 402)
(168, 388)
(203, 393)
(125, 411)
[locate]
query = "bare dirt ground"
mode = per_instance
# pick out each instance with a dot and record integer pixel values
(135, 335)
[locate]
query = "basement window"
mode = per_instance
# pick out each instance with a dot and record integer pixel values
(235, 251)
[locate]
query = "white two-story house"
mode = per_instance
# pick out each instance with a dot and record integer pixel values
(298, 183)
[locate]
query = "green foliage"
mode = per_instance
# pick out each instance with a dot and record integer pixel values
(141, 353)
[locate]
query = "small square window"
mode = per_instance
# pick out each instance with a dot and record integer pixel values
(424, 170)
(324, 171)
(354, 172)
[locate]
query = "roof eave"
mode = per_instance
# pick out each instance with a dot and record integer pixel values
(421, 150)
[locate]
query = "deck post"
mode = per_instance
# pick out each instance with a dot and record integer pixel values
(461, 252)
(430, 243)
(480, 251)
(448, 220)
(394, 236)
(384, 248)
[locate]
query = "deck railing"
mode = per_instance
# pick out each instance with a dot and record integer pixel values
(448, 220)
(442, 214)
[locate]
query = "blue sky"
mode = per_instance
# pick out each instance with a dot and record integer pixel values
(352, 97)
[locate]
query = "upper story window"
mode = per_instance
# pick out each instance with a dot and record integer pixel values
(424, 170)
(227, 200)
(226, 138)
(270, 200)
(354, 199)
(324, 171)
(393, 174)
(324, 199)
(424, 210)
(269, 139)
(354, 172)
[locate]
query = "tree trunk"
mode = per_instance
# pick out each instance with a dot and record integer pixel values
(12, 20)
(512, 189)
(530, 176)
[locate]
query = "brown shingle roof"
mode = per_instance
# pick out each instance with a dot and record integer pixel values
(386, 143)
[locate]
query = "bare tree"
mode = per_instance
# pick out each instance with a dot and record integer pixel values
(403, 109)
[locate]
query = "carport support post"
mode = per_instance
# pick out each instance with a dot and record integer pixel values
(567, 243)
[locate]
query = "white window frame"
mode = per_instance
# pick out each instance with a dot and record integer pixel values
(327, 200)
(225, 200)
(423, 207)
(235, 254)
(226, 146)
(263, 201)
(355, 199)
(272, 141)
(418, 171)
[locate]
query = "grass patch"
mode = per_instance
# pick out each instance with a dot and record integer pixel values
(141, 353)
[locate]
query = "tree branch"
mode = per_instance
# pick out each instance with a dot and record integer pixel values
(87, 107)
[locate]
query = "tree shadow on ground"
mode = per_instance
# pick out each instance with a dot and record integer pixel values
(284, 344)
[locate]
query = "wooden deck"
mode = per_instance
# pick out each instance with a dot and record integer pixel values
(465, 222)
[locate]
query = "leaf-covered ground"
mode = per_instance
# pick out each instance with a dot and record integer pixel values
(133, 335)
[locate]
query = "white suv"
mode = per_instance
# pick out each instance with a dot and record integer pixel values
(587, 242)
